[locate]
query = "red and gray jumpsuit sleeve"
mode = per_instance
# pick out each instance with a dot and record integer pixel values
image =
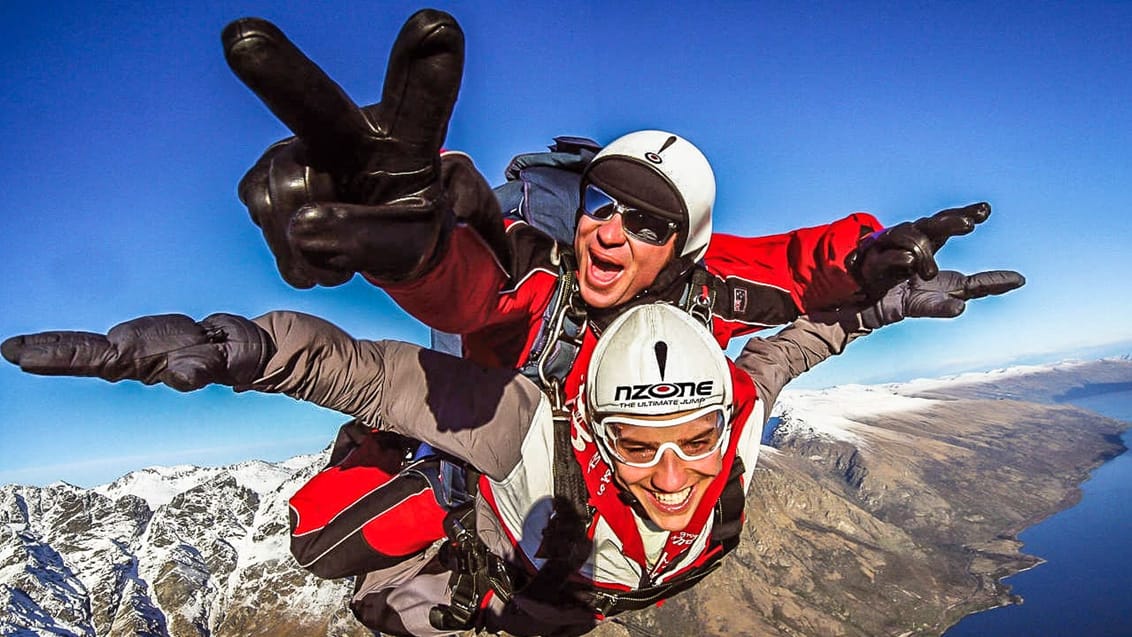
(475, 413)
(477, 260)
(808, 264)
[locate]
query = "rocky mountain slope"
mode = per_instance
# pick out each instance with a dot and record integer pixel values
(164, 551)
(877, 510)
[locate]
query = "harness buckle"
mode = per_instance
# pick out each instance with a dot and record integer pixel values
(700, 308)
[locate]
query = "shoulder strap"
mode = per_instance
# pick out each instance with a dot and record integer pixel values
(565, 541)
(560, 334)
(698, 298)
(728, 522)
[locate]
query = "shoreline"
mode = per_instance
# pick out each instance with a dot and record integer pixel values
(1071, 500)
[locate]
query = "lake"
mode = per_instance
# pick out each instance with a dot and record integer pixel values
(1085, 586)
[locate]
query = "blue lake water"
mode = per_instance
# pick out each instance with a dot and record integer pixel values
(1085, 586)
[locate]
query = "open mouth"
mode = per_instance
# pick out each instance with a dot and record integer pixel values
(672, 502)
(603, 271)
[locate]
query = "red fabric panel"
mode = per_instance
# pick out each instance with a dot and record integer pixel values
(331, 492)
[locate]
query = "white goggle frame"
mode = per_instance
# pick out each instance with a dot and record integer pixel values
(608, 439)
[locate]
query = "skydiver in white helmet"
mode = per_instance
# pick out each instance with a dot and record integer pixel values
(369, 191)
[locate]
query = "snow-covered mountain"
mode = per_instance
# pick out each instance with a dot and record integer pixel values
(163, 551)
(879, 508)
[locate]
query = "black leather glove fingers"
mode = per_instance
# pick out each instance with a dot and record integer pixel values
(952, 222)
(135, 349)
(400, 135)
(991, 283)
(945, 296)
(397, 242)
(892, 255)
(59, 353)
(170, 348)
(385, 155)
(389, 244)
(279, 182)
(908, 249)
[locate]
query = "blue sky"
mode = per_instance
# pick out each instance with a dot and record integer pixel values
(124, 135)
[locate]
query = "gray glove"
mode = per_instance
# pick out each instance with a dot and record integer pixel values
(170, 348)
(944, 296)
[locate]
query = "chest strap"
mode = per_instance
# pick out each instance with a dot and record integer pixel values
(561, 330)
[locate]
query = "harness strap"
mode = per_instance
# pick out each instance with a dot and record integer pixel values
(565, 542)
(560, 331)
(610, 603)
(699, 295)
(463, 554)
(475, 570)
(728, 522)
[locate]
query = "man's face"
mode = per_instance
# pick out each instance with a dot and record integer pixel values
(612, 266)
(671, 490)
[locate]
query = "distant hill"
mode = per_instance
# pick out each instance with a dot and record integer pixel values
(876, 510)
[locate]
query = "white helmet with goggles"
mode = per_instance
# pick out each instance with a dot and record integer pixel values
(659, 174)
(656, 360)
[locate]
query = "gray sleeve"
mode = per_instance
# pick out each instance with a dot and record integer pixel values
(774, 361)
(474, 413)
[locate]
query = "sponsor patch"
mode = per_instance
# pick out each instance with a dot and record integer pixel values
(739, 301)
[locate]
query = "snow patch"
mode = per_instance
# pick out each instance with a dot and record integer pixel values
(835, 413)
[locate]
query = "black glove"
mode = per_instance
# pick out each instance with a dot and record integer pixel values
(944, 296)
(885, 258)
(169, 348)
(356, 189)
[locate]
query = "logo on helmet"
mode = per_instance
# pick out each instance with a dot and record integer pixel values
(655, 157)
(689, 389)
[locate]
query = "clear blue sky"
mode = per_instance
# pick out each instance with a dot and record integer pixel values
(124, 135)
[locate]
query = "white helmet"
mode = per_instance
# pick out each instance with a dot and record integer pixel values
(663, 173)
(654, 360)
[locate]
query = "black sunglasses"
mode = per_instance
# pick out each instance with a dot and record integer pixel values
(640, 224)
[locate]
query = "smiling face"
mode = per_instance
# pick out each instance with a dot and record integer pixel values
(671, 490)
(612, 266)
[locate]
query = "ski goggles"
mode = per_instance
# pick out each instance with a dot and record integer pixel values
(644, 454)
(642, 225)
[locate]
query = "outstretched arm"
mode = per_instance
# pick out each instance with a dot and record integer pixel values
(775, 361)
(823, 268)
(474, 413)
(805, 268)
